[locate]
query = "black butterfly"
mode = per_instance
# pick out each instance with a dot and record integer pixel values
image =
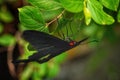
(47, 46)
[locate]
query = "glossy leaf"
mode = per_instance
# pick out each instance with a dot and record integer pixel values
(74, 6)
(31, 17)
(97, 13)
(45, 4)
(49, 8)
(110, 4)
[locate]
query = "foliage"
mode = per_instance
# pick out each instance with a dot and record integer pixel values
(6, 17)
(73, 18)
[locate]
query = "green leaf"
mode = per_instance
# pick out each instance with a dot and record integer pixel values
(7, 40)
(31, 18)
(51, 14)
(5, 15)
(97, 13)
(1, 27)
(87, 16)
(118, 16)
(61, 58)
(72, 5)
(79, 16)
(94, 30)
(110, 4)
(45, 4)
(43, 68)
(53, 70)
(49, 8)
(26, 74)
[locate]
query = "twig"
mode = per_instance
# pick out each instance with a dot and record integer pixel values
(55, 18)
(9, 61)
(10, 56)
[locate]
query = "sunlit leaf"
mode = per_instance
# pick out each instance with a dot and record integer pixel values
(110, 4)
(45, 4)
(97, 13)
(72, 5)
(87, 16)
(31, 18)
(49, 8)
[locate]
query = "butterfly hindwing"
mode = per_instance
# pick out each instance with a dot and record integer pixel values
(47, 54)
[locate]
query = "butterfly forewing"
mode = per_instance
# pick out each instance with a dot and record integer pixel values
(50, 52)
(41, 40)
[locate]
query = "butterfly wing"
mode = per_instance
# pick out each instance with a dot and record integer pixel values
(45, 44)
(45, 55)
(41, 40)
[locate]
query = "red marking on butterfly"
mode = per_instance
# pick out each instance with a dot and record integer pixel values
(72, 43)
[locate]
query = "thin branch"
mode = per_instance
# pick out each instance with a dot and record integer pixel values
(9, 61)
(55, 18)
(10, 56)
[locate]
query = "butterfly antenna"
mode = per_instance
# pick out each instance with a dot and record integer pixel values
(87, 42)
(93, 41)
(82, 40)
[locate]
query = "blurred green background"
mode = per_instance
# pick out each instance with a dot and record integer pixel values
(98, 58)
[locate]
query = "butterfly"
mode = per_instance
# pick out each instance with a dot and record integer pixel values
(47, 46)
